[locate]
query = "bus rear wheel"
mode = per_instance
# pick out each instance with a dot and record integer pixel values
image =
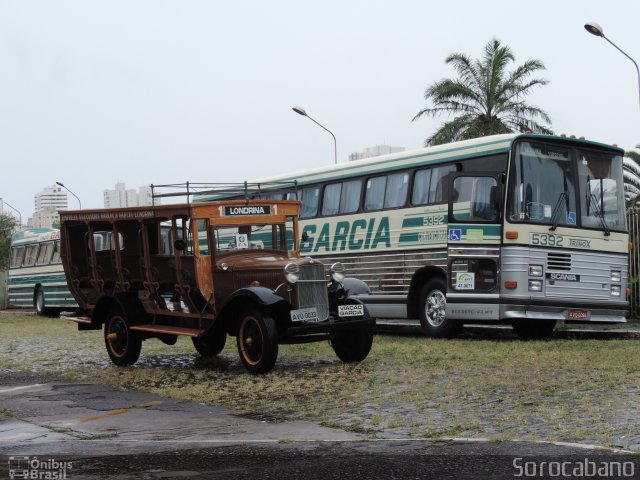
(532, 329)
(39, 303)
(433, 314)
(123, 345)
(257, 341)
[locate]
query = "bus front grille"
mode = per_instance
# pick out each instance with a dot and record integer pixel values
(558, 261)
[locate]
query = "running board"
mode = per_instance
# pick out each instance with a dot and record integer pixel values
(167, 330)
(83, 320)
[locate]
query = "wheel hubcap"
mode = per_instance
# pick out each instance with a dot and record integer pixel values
(435, 308)
(251, 343)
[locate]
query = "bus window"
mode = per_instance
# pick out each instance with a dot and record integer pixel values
(310, 198)
(30, 255)
(438, 184)
(56, 252)
(374, 196)
(350, 199)
(17, 257)
(474, 199)
(331, 199)
(397, 187)
(44, 255)
(421, 180)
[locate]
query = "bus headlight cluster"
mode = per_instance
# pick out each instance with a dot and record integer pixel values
(535, 285)
(616, 276)
(337, 272)
(615, 290)
(535, 270)
(291, 272)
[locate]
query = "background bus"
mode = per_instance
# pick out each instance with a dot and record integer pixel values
(518, 228)
(36, 278)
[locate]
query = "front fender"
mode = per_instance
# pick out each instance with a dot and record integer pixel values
(355, 286)
(246, 297)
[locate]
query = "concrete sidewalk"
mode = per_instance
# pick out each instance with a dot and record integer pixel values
(41, 417)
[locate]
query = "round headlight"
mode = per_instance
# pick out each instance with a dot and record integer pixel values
(291, 272)
(337, 272)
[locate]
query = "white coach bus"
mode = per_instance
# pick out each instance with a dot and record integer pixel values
(518, 228)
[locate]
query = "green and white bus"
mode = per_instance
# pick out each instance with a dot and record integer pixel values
(518, 228)
(36, 277)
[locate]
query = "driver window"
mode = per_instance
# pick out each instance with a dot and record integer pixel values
(475, 199)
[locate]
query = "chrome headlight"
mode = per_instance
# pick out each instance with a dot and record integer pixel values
(291, 272)
(337, 272)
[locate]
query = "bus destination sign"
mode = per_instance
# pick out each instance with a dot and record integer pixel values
(242, 210)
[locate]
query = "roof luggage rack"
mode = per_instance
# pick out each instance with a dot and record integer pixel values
(218, 191)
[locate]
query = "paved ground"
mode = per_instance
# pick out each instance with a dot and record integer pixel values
(106, 433)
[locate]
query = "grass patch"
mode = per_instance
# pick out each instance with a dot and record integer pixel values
(495, 387)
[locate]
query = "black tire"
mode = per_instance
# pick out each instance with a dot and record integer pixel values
(433, 316)
(257, 341)
(211, 344)
(39, 303)
(123, 345)
(532, 329)
(353, 345)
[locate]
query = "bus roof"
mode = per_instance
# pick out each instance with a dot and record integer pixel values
(34, 235)
(424, 156)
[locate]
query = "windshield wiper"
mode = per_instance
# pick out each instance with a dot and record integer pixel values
(593, 202)
(555, 216)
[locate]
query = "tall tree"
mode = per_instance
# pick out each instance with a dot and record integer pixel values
(631, 172)
(7, 226)
(485, 99)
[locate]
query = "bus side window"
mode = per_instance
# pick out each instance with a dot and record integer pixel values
(56, 252)
(17, 257)
(310, 197)
(350, 198)
(45, 253)
(421, 180)
(439, 183)
(331, 199)
(396, 192)
(374, 196)
(30, 255)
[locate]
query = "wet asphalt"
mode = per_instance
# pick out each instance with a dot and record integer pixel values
(95, 431)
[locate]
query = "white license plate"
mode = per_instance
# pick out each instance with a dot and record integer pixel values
(350, 311)
(304, 315)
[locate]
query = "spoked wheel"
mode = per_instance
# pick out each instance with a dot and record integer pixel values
(123, 345)
(211, 344)
(433, 313)
(532, 329)
(257, 341)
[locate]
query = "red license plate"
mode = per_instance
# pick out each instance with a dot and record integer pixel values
(578, 314)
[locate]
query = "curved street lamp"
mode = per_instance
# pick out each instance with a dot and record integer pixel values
(595, 29)
(302, 111)
(62, 185)
(14, 208)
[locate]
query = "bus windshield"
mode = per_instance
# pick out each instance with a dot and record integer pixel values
(564, 186)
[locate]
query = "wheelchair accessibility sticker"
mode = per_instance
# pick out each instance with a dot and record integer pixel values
(455, 234)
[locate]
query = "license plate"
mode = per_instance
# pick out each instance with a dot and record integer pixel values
(350, 311)
(578, 314)
(304, 315)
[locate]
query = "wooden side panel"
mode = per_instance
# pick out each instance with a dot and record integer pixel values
(204, 276)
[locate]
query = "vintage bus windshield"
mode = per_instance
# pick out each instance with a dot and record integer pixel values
(563, 186)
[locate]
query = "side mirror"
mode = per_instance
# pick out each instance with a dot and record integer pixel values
(180, 245)
(305, 236)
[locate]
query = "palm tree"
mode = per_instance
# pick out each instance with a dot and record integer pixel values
(631, 172)
(485, 98)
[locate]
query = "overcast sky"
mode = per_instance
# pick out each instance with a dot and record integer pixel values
(149, 91)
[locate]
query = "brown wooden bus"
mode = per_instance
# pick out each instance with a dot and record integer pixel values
(208, 270)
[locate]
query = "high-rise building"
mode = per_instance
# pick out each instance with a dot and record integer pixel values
(124, 197)
(47, 203)
(375, 152)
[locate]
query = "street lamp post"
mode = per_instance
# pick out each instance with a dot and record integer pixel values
(62, 185)
(595, 29)
(301, 111)
(13, 208)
